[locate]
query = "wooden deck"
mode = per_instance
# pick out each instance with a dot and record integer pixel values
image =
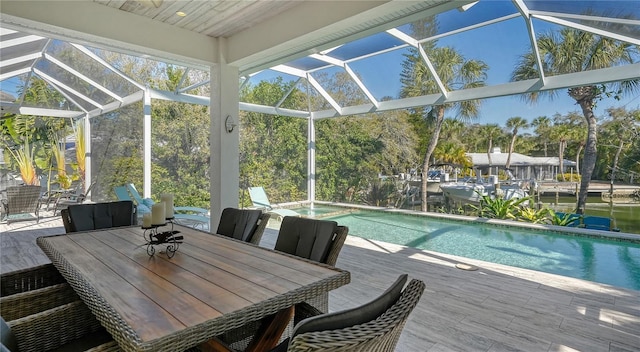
(495, 308)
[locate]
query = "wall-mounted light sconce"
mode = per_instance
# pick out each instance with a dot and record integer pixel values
(229, 124)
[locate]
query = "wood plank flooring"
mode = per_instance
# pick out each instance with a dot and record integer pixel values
(495, 308)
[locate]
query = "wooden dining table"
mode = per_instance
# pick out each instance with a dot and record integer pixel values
(211, 284)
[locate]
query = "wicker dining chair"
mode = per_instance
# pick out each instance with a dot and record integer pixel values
(318, 240)
(373, 327)
(243, 224)
(94, 216)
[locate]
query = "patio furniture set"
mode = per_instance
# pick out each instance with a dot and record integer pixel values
(24, 200)
(220, 292)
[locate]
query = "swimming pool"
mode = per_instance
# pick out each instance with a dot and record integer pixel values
(614, 262)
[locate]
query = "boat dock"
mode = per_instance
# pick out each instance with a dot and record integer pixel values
(601, 188)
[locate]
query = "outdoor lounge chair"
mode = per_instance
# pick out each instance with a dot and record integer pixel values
(124, 193)
(64, 200)
(598, 223)
(189, 216)
(20, 203)
(261, 201)
(243, 224)
(373, 327)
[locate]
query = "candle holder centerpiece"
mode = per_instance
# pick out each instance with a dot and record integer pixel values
(161, 216)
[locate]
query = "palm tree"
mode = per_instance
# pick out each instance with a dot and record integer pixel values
(570, 51)
(514, 123)
(560, 133)
(452, 129)
(491, 131)
(450, 152)
(455, 72)
(541, 125)
(579, 136)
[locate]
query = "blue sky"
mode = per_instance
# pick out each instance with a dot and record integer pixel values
(499, 45)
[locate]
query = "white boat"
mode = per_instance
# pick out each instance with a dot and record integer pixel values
(472, 192)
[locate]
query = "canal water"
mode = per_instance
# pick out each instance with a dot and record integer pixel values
(625, 215)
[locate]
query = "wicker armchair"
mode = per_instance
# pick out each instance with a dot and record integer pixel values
(67, 325)
(48, 318)
(29, 279)
(21, 200)
(23, 304)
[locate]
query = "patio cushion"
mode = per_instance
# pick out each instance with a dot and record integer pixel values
(354, 316)
(306, 238)
(86, 217)
(7, 337)
(240, 224)
(82, 217)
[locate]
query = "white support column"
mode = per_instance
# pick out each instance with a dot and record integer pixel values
(224, 136)
(146, 141)
(87, 152)
(311, 161)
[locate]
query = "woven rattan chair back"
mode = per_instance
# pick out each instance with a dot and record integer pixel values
(257, 235)
(378, 335)
(22, 200)
(41, 312)
(29, 279)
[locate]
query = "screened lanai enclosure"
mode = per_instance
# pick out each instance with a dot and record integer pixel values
(254, 93)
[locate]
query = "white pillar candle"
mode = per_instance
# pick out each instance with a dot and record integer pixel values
(157, 214)
(146, 220)
(167, 199)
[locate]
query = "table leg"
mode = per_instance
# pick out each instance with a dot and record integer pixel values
(265, 339)
(272, 327)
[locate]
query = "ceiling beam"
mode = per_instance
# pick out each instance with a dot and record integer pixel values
(594, 77)
(314, 26)
(92, 24)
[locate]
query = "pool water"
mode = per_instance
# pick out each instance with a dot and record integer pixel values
(320, 211)
(590, 258)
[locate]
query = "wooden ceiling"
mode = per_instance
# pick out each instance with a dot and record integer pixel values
(215, 18)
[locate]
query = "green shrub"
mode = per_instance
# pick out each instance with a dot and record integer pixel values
(568, 177)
